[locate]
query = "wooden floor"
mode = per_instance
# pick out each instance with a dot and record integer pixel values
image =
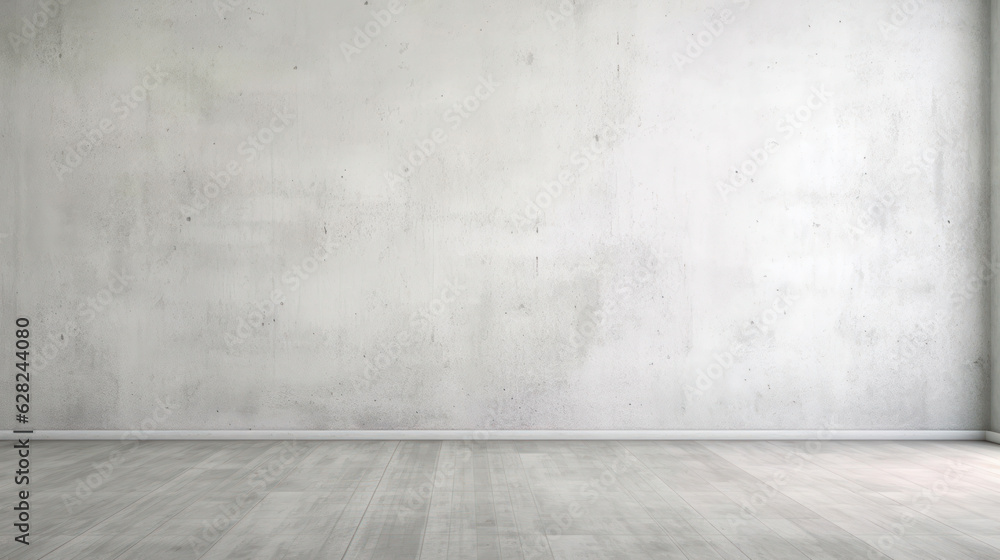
(566, 500)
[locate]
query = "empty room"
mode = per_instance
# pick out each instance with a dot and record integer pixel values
(485, 279)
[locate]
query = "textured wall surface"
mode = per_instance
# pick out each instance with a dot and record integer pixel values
(607, 214)
(995, 211)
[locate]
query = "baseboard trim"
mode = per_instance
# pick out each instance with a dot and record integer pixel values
(501, 435)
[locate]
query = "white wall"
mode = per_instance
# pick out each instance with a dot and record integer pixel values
(884, 323)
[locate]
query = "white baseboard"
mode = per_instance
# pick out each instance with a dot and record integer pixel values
(501, 435)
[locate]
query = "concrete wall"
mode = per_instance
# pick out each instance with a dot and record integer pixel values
(995, 211)
(768, 214)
